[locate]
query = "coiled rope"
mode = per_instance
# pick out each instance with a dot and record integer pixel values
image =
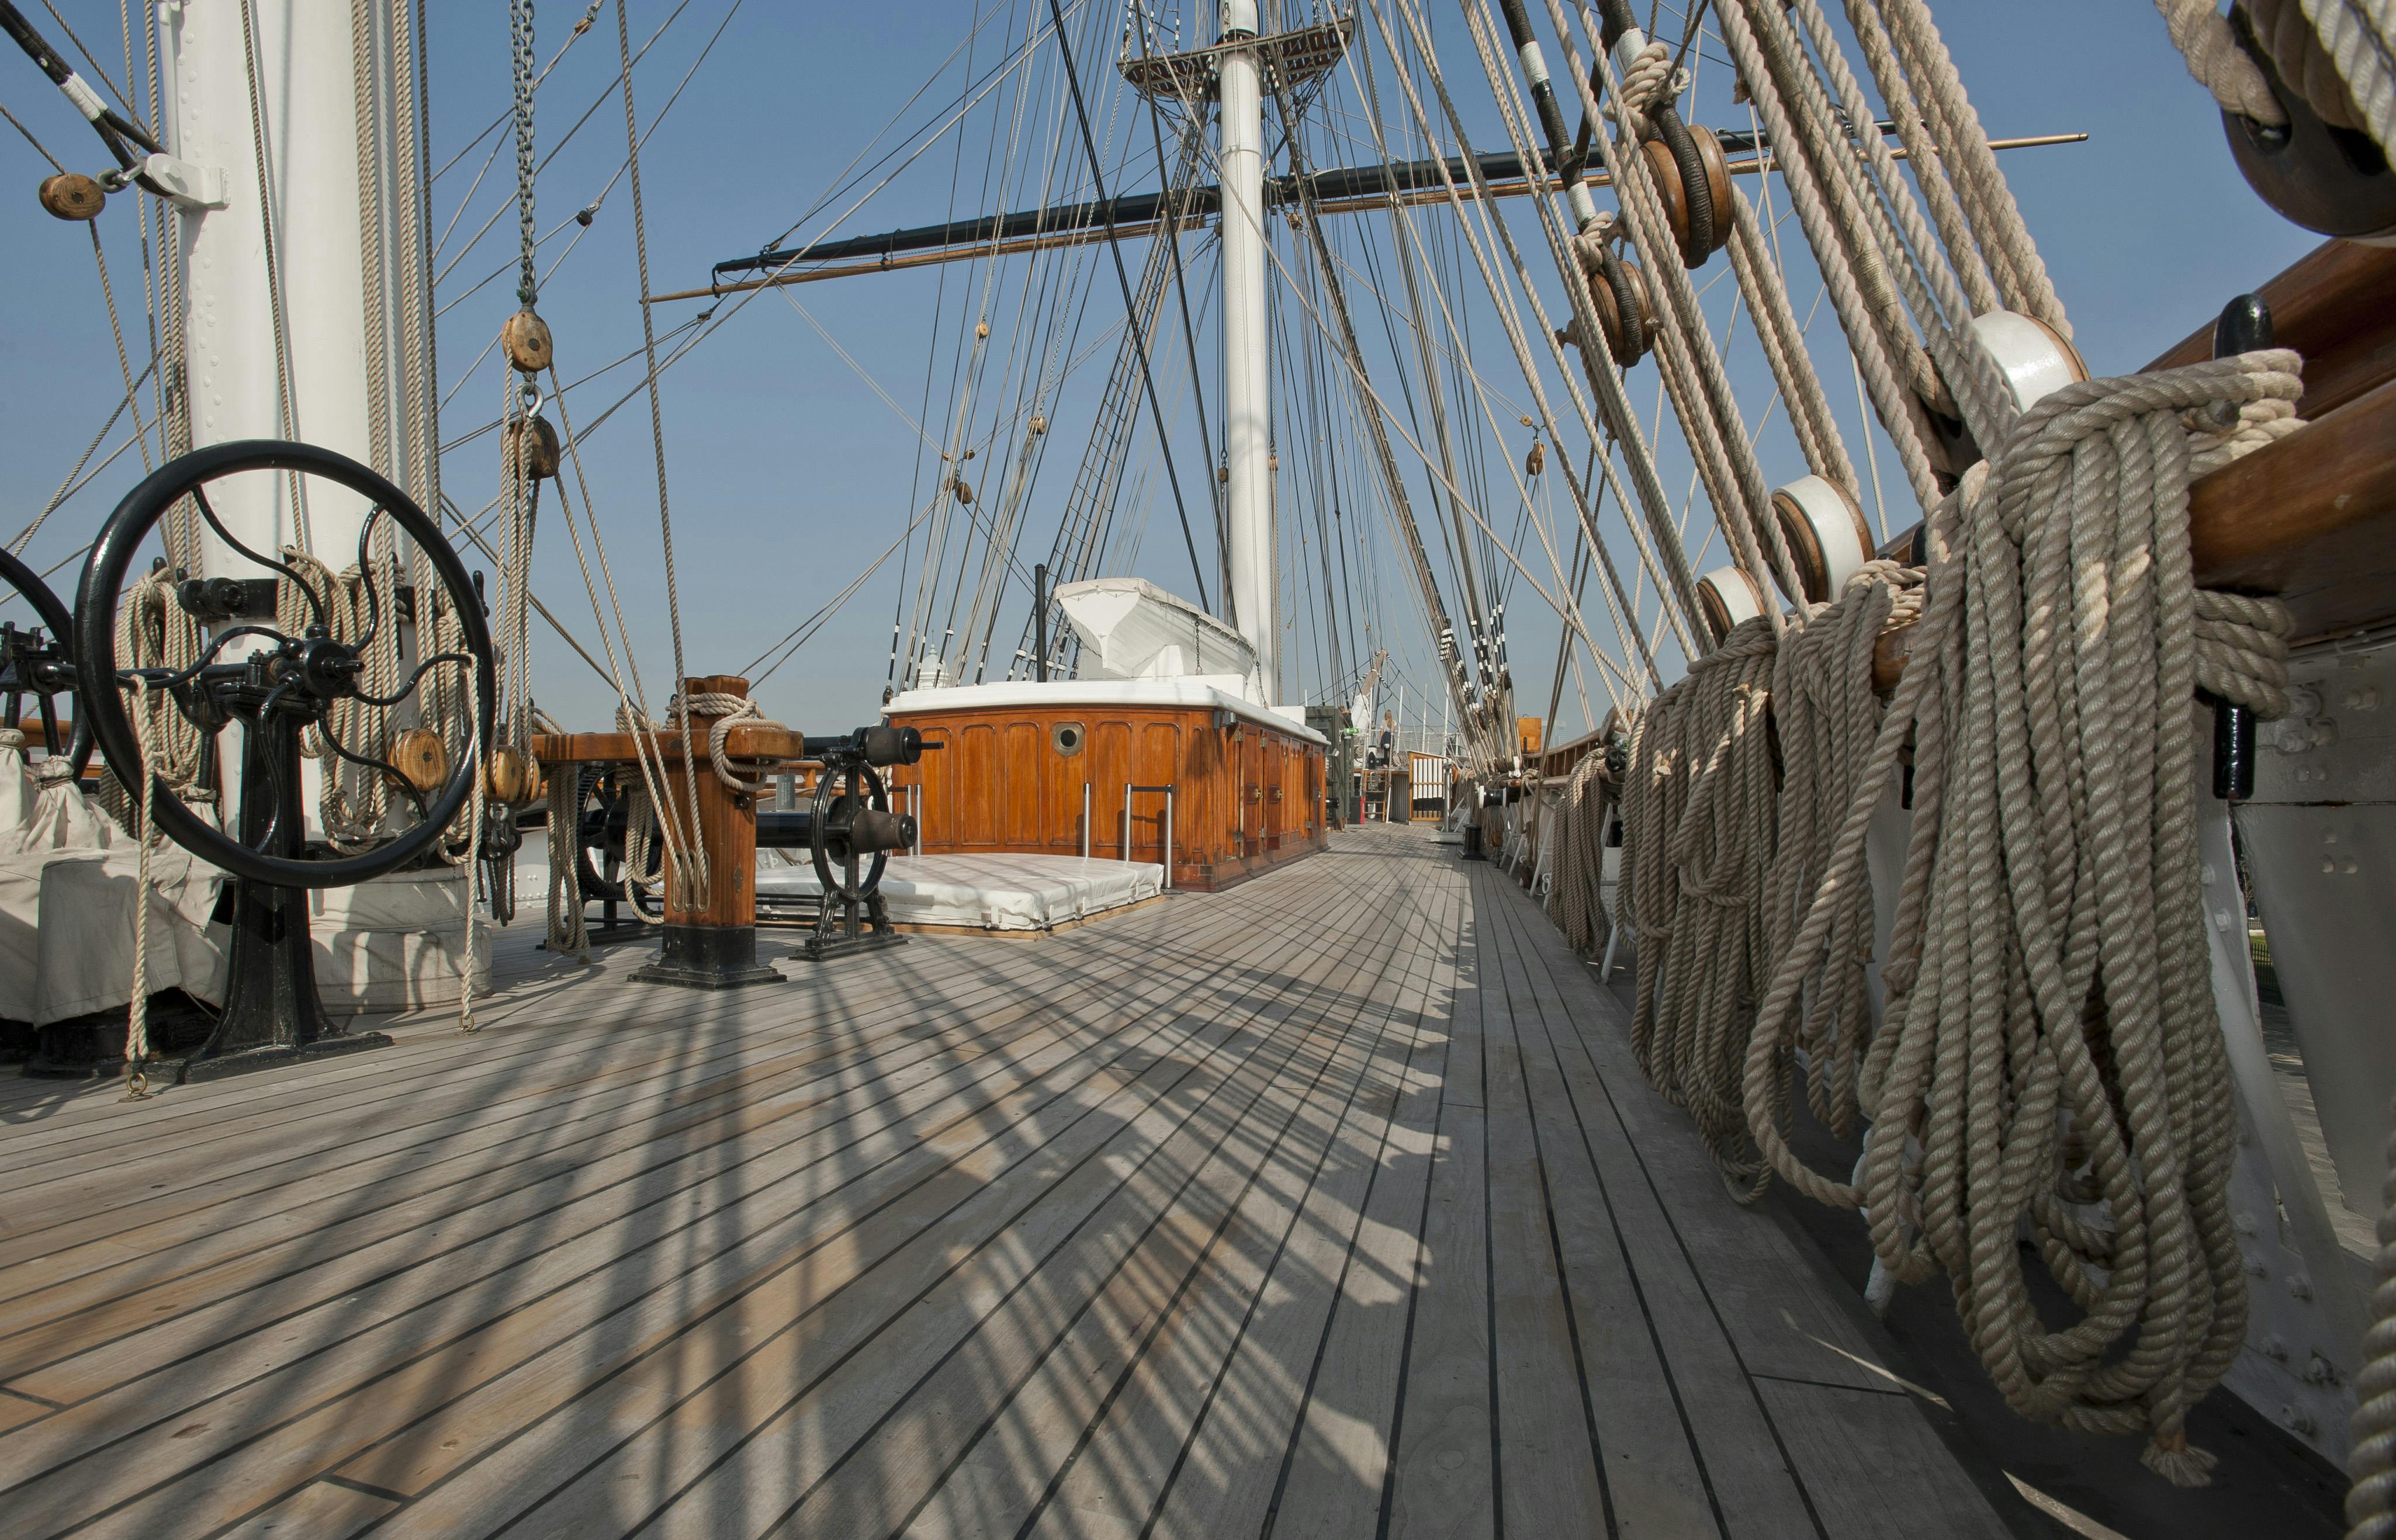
(727, 709)
(1698, 814)
(2050, 1039)
(1578, 861)
(1827, 716)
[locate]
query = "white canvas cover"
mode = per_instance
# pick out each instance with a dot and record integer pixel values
(1131, 629)
(983, 891)
(85, 943)
(67, 881)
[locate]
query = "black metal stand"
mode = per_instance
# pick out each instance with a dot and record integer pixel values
(272, 1014)
(838, 932)
(706, 957)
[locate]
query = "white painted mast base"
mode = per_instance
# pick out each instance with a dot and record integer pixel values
(1248, 398)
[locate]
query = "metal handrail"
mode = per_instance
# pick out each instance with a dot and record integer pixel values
(1130, 792)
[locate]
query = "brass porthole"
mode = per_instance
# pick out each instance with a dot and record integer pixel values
(1066, 737)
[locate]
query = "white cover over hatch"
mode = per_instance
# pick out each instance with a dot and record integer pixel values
(1131, 629)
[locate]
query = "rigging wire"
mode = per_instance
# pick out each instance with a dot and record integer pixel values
(1098, 178)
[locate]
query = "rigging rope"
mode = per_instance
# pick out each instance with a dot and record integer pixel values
(2202, 33)
(694, 870)
(2050, 1040)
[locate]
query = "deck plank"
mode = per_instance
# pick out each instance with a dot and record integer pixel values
(408, 1190)
(539, 1300)
(1654, 1482)
(1850, 1444)
(1547, 1431)
(1329, 1205)
(1443, 1478)
(1334, 1471)
(678, 1436)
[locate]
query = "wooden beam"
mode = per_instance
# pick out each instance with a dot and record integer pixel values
(1130, 230)
(2337, 307)
(2310, 520)
(743, 742)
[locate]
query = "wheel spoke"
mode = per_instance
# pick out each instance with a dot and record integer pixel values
(315, 604)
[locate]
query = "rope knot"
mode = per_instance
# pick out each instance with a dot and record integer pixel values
(1649, 79)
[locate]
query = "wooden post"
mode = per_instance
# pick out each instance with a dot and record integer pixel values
(709, 939)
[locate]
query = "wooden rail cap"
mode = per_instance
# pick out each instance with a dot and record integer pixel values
(2310, 520)
(2337, 307)
(746, 741)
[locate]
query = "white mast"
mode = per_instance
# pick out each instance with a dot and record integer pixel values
(304, 71)
(1246, 372)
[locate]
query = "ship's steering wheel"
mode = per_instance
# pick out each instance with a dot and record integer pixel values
(846, 788)
(42, 665)
(284, 684)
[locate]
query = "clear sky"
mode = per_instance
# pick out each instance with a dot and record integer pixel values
(792, 468)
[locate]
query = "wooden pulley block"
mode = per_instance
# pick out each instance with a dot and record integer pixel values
(1727, 596)
(2035, 360)
(1666, 167)
(2034, 363)
(525, 338)
(1823, 527)
(2312, 173)
(1628, 344)
(965, 491)
(513, 776)
(541, 464)
(72, 195)
(1536, 460)
(420, 758)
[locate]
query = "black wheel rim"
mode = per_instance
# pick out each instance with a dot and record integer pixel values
(101, 589)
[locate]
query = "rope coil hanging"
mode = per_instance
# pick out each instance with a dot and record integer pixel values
(2050, 1055)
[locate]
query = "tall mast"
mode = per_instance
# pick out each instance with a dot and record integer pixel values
(275, 297)
(1247, 376)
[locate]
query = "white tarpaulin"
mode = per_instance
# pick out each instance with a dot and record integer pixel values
(67, 886)
(84, 953)
(982, 892)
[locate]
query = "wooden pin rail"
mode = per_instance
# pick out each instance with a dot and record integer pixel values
(2310, 519)
(709, 937)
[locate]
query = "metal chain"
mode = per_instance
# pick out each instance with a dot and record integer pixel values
(520, 41)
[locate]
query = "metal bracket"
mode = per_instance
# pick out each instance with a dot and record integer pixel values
(180, 181)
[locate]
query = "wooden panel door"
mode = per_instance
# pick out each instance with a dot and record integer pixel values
(976, 787)
(1110, 771)
(1275, 752)
(1252, 792)
(1023, 745)
(1158, 762)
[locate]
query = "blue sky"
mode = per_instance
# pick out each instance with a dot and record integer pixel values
(790, 472)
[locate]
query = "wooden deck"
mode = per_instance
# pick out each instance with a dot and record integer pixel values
(1331, 1205)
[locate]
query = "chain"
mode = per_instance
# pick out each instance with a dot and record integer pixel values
(520, 39)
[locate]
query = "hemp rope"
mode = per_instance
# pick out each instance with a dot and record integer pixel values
(1922, 265)
(1578, 861)
(1702, 396)
(1655, 535)
(475, 801)
(154, 632)
(727, 709)
(2371, 1505)
(2339, 55)
(2202, 35)
(1697, 816)
(2359, 38)
(567, 930)
(1827, 716)
(137, 1010)
(2050, 1038)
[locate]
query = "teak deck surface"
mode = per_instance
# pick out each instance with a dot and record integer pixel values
(1332, 1205)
